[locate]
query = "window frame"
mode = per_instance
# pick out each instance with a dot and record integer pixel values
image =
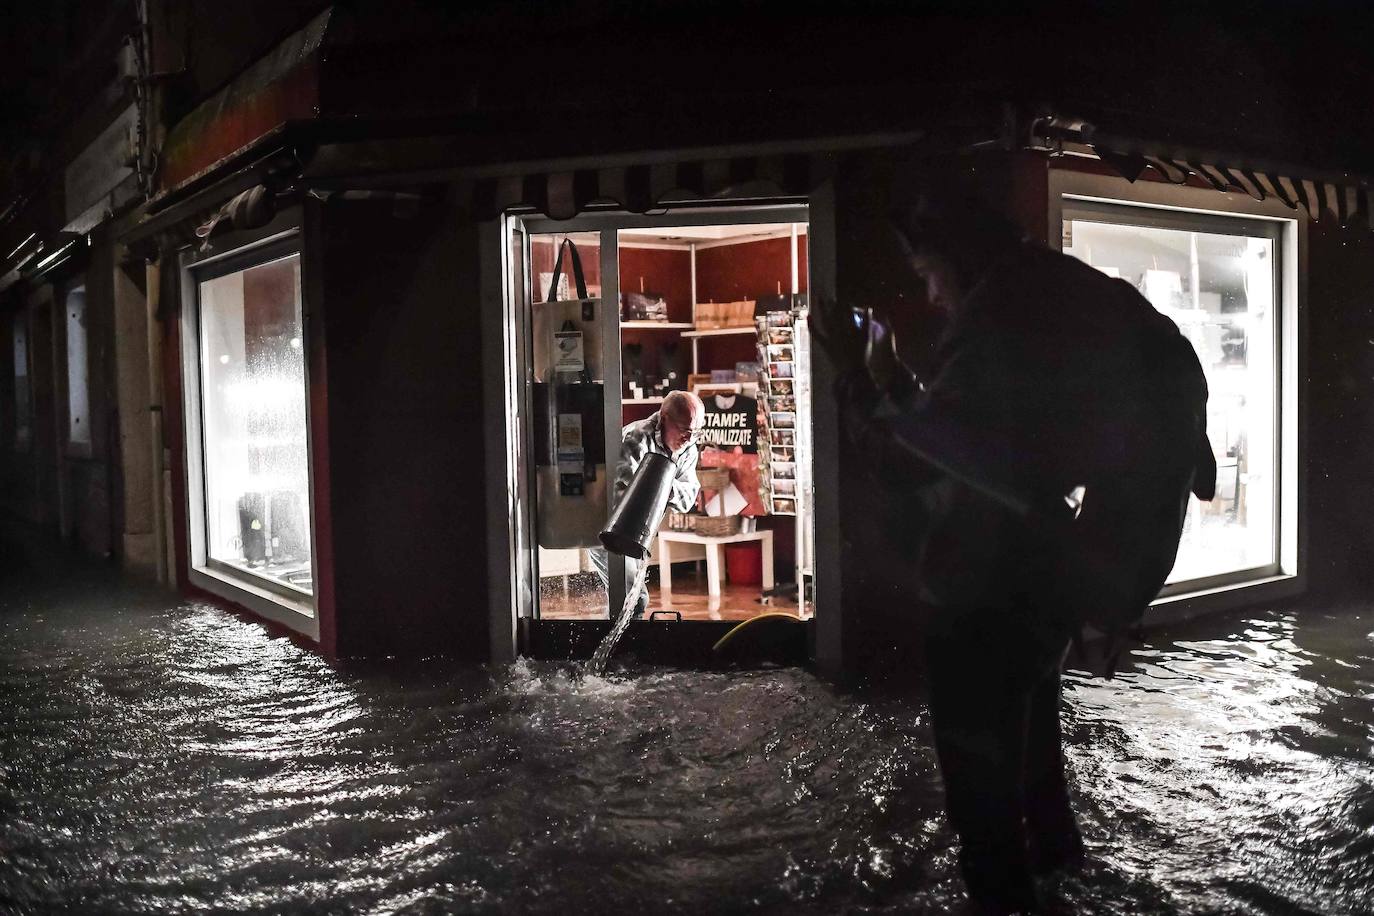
(294, 608)
(1158, 205)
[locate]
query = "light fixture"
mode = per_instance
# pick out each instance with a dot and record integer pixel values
(22, 245)
(58, 247)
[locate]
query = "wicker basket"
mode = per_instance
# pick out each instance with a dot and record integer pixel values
(713, 478)
(715, 526)
(679, 521)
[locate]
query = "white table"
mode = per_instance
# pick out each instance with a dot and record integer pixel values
(713, 547)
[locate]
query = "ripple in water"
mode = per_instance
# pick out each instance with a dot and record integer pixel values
(172, 758)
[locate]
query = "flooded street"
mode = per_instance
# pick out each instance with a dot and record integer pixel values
(162, 756)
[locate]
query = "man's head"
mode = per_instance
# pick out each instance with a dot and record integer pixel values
(682, 414)
(951, 236)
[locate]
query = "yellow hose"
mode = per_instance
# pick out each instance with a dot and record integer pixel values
(735, 629)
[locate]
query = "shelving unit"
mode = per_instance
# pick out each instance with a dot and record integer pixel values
(696, 336)
(688, 329)
(778, 445)
(717, 332)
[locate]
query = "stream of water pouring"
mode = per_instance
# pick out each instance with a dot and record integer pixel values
(603, 652)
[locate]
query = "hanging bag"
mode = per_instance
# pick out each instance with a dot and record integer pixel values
(569, 407)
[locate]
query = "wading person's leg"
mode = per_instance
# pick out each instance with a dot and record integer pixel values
(980, 704)
(1055, 841)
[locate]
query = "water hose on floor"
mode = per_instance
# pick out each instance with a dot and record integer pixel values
(775, 615)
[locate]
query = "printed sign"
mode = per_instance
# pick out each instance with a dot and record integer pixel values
(567, 348)
(572, 457)
(569, 431)
(731, 421)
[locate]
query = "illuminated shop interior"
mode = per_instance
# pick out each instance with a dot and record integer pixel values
(719, 310)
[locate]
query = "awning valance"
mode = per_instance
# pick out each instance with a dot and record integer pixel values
(563, 194)
(1318, 194)
(644, 181)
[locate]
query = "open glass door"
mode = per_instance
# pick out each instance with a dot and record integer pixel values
(573, 367)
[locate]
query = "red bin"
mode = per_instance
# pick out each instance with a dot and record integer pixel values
(744, 563)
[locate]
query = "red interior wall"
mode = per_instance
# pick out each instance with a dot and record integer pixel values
(724, 273)
(727, 273)
(666, 273)
(724, 352)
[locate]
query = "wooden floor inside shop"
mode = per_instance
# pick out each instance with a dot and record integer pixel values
(584, 598)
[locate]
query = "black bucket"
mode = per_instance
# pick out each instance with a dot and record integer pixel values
(635, 518)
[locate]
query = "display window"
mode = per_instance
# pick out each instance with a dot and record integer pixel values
(248, 452)
(1219, 279)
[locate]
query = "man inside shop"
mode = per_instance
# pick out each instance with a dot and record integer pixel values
(672, 430)
(1049, 454)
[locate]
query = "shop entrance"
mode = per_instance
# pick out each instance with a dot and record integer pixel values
(610, 315)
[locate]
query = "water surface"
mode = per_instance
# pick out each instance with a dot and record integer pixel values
(162, 756)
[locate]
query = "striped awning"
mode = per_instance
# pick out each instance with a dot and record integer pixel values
(640, 188)
(1318, 194)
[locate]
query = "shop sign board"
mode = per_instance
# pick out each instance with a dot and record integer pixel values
(103, 165)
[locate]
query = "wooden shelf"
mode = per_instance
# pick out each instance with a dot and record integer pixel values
(656, 325)
(717, 332)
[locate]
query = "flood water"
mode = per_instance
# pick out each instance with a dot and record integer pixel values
(160, 756)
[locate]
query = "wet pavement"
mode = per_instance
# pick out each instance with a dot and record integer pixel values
(163, 756)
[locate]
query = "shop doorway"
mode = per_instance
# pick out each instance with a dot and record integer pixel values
(609, 315)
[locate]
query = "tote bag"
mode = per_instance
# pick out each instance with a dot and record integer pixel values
(569, 396)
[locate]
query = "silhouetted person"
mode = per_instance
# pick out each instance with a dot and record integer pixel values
(1053, 447)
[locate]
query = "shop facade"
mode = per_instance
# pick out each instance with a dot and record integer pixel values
(1234, 283)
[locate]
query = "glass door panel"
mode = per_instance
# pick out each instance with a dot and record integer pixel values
(569, 398)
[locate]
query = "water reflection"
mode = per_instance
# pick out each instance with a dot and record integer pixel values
(1239, 767)
(169, 758)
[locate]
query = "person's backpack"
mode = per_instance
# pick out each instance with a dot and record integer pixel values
(1123, 542)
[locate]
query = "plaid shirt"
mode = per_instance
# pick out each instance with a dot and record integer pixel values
(644, 436)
